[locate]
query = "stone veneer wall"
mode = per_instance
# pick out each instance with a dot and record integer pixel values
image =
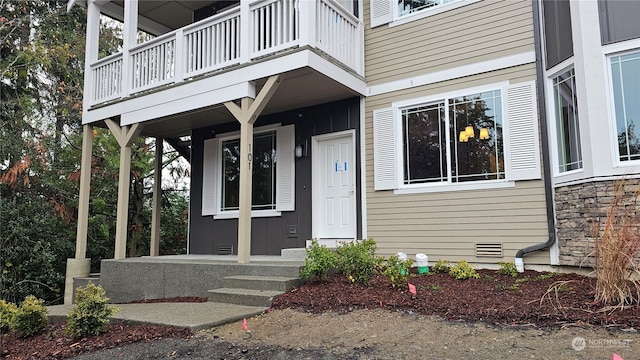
(582, 211)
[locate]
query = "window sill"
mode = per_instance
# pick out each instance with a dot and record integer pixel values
(254, 214)
(485, 185)
(430, 12)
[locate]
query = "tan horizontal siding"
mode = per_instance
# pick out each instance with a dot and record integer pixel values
(513, 75)
(448, 224)
(485, 30)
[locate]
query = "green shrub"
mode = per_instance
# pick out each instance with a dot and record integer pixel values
(462, 271)
(357, 260)
(442, 266)
(7, 312)
(31, 317)
(91, 312)
(396, 270)
(508, 268)
(319, 261)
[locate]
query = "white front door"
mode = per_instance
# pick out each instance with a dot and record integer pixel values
(334, 186)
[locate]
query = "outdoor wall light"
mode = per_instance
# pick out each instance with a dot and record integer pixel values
(298, 151)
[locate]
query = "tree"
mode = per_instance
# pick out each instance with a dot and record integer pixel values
(42, 65)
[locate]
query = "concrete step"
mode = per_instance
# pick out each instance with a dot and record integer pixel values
(290, 269)
(246, 297)
(252, 282)
(294, 254)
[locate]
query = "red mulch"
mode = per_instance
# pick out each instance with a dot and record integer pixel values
(54, 344)
(494, 298)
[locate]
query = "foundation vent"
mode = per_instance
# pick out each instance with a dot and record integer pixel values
(489, 249)
(225, 249)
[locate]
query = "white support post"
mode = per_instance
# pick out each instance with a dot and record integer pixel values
(307, 14)
(130, 39)
(157, 194)
(179, 65)
(80, 266)
(125, 136)
(91, 51)
(246, 29)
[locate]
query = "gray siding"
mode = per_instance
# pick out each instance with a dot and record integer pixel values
(619, 20)
(477, 32)
(269, 235)
(557, 31)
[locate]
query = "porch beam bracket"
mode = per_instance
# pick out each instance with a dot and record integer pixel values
(125, 136)
(246, 114)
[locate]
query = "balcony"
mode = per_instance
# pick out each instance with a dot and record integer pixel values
(235, 39)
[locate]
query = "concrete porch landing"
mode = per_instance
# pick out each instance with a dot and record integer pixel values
(159, 277)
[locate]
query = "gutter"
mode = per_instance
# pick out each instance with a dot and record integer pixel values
(546, 170)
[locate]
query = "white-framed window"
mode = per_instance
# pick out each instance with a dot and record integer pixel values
(264, 172)
(398, 12)
(407, 7)
(453, 140)
(625, 82)
(273, 174)
(569, 152)
(475, 138)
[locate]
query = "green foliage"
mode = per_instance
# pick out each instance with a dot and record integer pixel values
(357, 260)
(508, 268)
(31, 317)
(545, 276)
(319, 261)
(463, 271)
(442, 266)
(396, 270)
(91, 312)
(7, 312)
(42, 66)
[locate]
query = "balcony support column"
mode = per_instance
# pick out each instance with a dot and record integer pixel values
(80, 265)
(247, 114)
(157, 194)
(125, 136)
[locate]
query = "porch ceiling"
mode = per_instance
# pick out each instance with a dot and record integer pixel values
(170, 13)
(298, 89)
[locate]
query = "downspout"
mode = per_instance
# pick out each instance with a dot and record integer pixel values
(546, 170)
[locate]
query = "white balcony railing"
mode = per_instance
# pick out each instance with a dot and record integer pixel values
(225, 40)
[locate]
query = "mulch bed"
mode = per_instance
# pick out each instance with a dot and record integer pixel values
(532, 299)
(54, 344)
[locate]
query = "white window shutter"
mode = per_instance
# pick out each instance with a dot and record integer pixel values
(522, 141)
(385, 169)
(210, 177)
(285, 168)
(381, 12)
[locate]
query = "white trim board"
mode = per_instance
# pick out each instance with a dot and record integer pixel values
(454, 73)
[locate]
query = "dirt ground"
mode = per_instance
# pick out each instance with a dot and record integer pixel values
(531, 316)
(382, 334)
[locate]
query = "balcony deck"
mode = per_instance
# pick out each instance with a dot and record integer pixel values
(241, 38)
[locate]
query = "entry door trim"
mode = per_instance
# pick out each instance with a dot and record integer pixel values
(316, 172)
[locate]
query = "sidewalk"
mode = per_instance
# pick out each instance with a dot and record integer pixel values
(195, 316)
